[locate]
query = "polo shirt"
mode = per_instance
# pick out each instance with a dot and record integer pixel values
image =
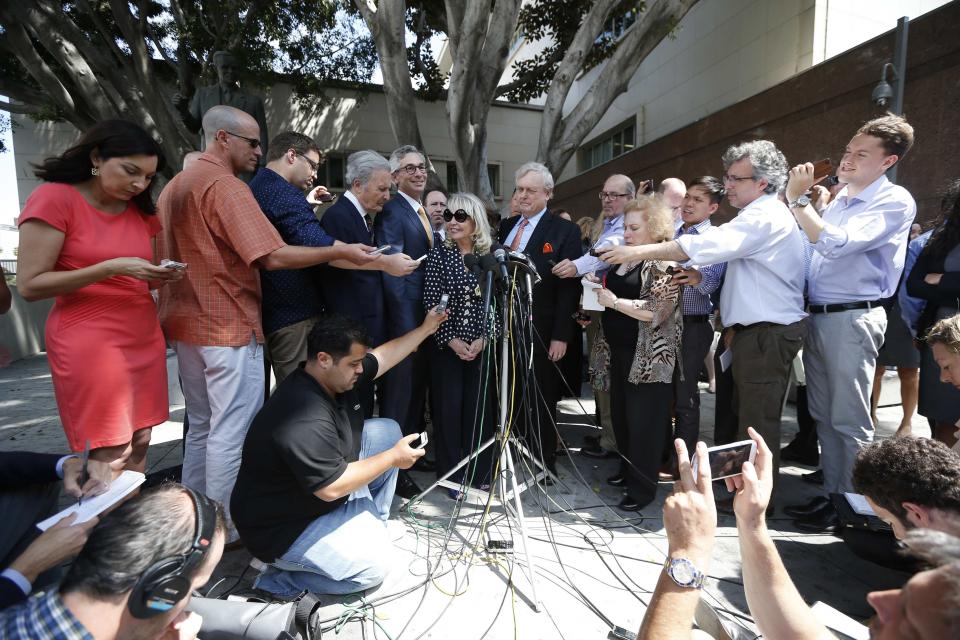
(299, 442)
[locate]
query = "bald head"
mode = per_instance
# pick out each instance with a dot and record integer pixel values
(672, 190)
(233, 136)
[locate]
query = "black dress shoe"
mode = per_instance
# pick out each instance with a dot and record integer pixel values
(406, 487)
(805, 509)
(424, 465)
(794, 452)
(616, 481)
(823, 521)
(629, 504)
(596, 451)
(813, 478)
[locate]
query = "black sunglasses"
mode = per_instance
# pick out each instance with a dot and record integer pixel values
(460, 215)
(253, 142)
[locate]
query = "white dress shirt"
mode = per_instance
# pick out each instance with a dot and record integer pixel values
(352, 198)
(861, 250)
(764, 251)
(527, 232)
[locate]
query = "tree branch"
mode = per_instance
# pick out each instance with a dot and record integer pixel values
(521, 80)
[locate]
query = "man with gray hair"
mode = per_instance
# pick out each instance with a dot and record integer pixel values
(359, 294)
(212, 317)
(547, 240)
(761, 302)
(617, 191)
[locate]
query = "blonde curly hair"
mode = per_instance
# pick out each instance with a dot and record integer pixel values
(657, 217)
(474, 208)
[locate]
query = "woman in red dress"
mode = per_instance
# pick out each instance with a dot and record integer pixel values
(87, 238)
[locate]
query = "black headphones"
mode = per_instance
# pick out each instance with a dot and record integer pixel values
(167, 582)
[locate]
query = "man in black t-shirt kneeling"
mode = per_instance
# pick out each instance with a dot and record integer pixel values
(316, 481)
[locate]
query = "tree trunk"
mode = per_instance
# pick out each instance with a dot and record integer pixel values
(386, 24)
(561, 136)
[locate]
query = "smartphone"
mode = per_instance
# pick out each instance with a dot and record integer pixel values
(727, 460)
(173, 264)
(421, 442)
(327, 197)
(421, 258)
(671, 270)
(444, 299)
(822, 169)
(380, 250)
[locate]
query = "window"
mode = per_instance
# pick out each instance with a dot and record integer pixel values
(608, 147)
(331, 173)
(493, 171)
(615, 26)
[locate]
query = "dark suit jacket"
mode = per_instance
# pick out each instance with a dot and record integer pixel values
(352, 292)
(554, 299)
(21, 468)
(399, 226)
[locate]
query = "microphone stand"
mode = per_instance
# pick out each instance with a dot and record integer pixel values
(506, 479)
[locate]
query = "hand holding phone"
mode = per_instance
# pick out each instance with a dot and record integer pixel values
(822, 170)
(173, 264)
(421, 442)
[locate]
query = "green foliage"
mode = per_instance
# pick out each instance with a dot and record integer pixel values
(559, 20)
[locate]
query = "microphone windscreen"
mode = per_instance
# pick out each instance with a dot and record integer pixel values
(500, 255)
(487, 261)
(470, 262)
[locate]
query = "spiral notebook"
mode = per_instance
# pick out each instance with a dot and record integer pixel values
(95, 505)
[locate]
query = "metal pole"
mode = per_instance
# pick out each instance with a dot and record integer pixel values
(900, 79)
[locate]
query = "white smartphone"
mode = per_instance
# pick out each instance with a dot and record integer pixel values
(173, 264)
(380, 250)
(422, 442)
(727, 460)
(421, 258)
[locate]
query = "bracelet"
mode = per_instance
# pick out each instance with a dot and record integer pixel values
(615, 301)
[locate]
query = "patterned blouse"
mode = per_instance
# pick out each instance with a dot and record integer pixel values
(658, 341)
(447, 274)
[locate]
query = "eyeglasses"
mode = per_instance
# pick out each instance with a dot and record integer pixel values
(313, 165)
(253, 142)
(411, 169)
(728, 178)
(460, 215)
(610, 195)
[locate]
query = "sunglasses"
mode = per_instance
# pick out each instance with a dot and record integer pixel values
(253, 142)
(460, 215)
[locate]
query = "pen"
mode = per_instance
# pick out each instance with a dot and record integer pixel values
(84, 476)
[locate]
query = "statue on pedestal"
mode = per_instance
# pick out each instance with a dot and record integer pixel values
(227, 91)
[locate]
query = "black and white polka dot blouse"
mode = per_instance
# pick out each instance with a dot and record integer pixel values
(447, 274)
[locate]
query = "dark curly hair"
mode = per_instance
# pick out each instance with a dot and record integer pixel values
(946, 234)
(918, 470)
(110, 139)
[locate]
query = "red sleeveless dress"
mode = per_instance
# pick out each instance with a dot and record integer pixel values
(106, 351)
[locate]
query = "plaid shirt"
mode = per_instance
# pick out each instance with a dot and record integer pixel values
(212, 222)
(42, 616)
(696, 299)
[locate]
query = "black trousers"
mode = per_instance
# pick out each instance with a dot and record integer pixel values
(404, 390)
(725, 414)
(460, 400)
(641, 417)
(697, 337)
(539, 424)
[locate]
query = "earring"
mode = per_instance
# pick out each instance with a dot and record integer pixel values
(94, 171)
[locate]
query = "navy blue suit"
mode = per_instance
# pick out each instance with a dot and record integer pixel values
(29, 487)
(404, 388)
(353, 292)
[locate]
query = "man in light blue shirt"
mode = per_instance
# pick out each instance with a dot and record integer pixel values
(617, 191)
(761, 301)
(859, 247)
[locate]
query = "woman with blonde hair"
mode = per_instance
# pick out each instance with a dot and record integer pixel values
(461, 411)
(637, 351)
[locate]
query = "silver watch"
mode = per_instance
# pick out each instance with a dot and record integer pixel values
(683, 573)
(802, 201)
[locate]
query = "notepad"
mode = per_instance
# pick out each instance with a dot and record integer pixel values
(95, 505)
(859, 504)
(838, 622)
(590, 296)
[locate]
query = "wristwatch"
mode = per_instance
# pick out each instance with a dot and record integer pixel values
(801, 202)
(683, 573)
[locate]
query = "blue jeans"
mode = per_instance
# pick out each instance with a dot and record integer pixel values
(346, 550)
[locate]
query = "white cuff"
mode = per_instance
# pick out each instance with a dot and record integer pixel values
(17, 578)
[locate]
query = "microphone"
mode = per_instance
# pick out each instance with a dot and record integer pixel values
(471, 262)
(488, 262)
(501, 257)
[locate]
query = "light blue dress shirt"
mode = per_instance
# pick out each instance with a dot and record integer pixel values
(612, 228)
(860, 253)
(527, 232)
(764, 249)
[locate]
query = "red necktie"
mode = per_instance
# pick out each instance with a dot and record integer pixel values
(515, 245)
